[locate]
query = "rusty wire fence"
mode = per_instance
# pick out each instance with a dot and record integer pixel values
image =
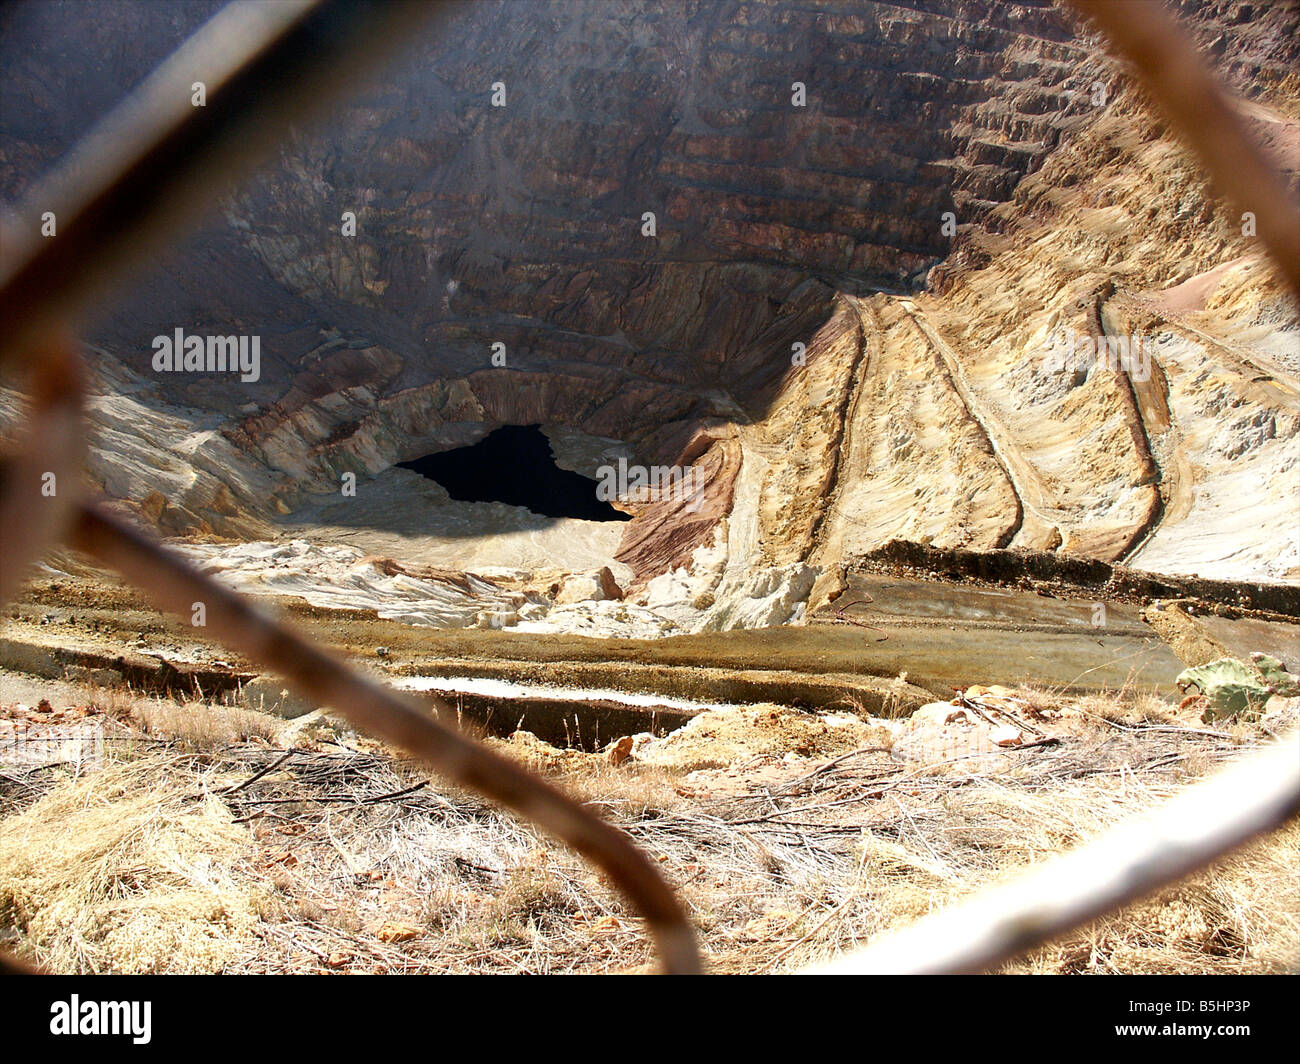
(157, 161)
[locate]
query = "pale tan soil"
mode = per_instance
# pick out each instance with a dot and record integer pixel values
(832, 656)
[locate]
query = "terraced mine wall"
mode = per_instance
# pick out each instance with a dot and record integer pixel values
(523, 224)
(671, 206)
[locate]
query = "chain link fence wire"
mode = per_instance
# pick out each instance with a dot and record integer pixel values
(151, 166)
(1262, 792)
(144, 172)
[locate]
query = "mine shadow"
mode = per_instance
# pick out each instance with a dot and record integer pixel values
(515, 465)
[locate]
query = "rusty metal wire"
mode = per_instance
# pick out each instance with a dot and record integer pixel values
(156, 162)
(50, 458)
(143, 172)
(1173, 72)
(1254, 796)
(166, 159)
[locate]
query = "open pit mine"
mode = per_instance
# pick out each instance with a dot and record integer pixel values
(705, 390)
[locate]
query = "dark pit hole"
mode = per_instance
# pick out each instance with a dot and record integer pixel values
(514, 464)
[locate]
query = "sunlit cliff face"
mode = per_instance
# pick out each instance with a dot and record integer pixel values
(699, 236)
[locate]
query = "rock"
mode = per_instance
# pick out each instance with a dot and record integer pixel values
(496, 618)
(396, 932)
(829, 586)
(314, 727)
(1280, 710)
(608, 583)
(595, 586)
(269, 694)
(1189, 639)
(942, 713)
(620, 750)
(995, 696)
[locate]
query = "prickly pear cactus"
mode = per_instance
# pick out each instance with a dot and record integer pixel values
(1280, 682)
(1235, 688)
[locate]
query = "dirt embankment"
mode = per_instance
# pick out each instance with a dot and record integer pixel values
(1065, 574)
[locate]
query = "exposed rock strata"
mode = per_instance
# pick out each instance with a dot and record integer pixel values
(935, 416)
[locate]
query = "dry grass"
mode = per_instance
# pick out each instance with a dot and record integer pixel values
(787, 851)
(1242, 917)
(203, 726)
(126, 869)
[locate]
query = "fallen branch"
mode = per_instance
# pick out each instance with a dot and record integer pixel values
(1130, 861)
(260, 773)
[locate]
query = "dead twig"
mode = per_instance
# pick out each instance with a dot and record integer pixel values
(258, 775)
(1202, 824)
(176, 586)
